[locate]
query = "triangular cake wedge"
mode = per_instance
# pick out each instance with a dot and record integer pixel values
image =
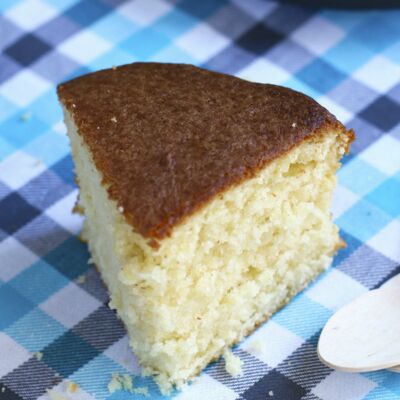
(206, 200)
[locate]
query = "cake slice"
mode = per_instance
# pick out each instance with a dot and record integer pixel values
(206, 200)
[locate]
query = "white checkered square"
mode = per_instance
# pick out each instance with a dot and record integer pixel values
(335, 290)
(121, 353)
(60, 128)
(318, 35)
(343, 199)
(264, 71)
(70, 305)
(144, 12)
(84, 47)
(202, 42)
(61, 212)
(342, 385)
(387, 241)
(202, 387)
(15, 258)
(24, 87)
(380, 74)
(277, 342)
(19, 168)
(384, 155)
(29, 14)
(337, 110)
(11, 354)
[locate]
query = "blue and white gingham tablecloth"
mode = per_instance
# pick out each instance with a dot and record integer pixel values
(55, 325)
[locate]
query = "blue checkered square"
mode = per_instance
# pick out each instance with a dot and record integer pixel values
(200, 9)
(42, 330)
(348, 55)
(46, 108)
(321, 76)
(18, 132)
(369, 177)
(387, 197)
(363, 220)
(86, 12)
(144, 43)
(38, 282)
(58, 354)
(174, 23)
(70, 258)
(14, 305)
(6, 109)
(303, 316)
(6, 4)
(115, 27)
(377, 33)
(49, 148)
(392, 385)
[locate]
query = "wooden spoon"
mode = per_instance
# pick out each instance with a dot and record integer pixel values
(393, 281)
(365, 334)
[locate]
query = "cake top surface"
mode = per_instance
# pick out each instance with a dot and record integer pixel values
(167, 138)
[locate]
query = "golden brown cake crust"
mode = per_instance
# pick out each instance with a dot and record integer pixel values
(169, 137)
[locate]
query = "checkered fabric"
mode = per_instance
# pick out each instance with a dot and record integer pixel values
(55, 325)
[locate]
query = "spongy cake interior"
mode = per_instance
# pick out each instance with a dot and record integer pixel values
(226, 268)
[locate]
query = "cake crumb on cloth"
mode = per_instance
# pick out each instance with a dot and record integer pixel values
(233, 364)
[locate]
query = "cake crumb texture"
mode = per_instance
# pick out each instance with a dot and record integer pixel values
(233, 364)
(179, 135)
(72, 387)
(55, 395)
(124, 382)
(143, 390)
(120, 382)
